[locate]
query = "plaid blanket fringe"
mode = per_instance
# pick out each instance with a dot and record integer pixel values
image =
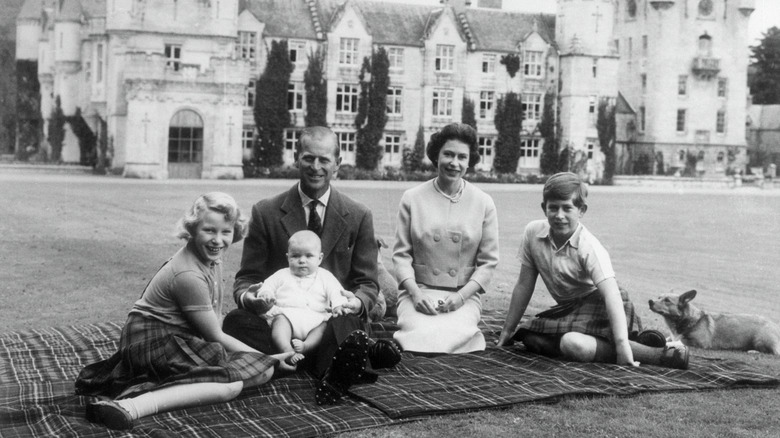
(38, 368)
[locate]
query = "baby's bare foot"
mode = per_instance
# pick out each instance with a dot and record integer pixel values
(297, 345)
(295, 358)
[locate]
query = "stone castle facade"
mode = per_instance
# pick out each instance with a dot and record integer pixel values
(171, 83)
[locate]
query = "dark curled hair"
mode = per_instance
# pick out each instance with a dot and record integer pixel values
(454, 131)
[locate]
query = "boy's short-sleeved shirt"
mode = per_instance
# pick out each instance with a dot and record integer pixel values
(569, 272)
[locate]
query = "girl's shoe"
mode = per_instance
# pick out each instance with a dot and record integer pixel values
(109, 414)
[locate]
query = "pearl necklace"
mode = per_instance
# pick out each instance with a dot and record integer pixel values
(455, 198)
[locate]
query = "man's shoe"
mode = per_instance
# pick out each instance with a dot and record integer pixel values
(651, 338)
(383, 353)
(675, 357)
(348, 365)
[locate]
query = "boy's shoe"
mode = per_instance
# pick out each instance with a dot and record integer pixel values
(348, 365)
(383, 353)
(109, 414)
(675, 357)
(651, 338)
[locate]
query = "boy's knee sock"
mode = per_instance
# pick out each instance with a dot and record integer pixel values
(546, 345)
(646, 355)
(605, 352)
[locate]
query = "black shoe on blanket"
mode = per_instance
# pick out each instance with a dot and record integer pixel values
(348, 365)
(651, 338)
(383, 353)
(109, 414)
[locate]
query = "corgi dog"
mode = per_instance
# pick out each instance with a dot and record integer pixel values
(717, 331)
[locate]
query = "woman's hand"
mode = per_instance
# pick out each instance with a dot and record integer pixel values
(423, 303)
(624, 354)
(453, 302)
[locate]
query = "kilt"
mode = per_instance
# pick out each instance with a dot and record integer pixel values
(589, 317)
(153, 354)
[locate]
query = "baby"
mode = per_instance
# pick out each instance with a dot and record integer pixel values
(304, 295)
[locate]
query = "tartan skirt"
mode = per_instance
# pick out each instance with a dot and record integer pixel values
(153, 354)
(589, 317)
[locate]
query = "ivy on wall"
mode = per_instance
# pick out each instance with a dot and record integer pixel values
(512, 63)
(316, 89)
(271, 113)
(509, 122)
(56, 131)
(372, 109)
(28, 109)
(86, 138)
(548, 162)
(606, 128)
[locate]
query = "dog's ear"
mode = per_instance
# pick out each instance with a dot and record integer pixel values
(687, 296)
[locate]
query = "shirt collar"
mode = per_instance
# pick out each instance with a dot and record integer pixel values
(574, 240)
(305, 199)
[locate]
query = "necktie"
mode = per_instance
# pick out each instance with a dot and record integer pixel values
(315, 223)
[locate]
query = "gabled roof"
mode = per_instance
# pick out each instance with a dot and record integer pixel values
(622, 106)
(503, 31)
(394, 23)
(69, 10)
(282, 18)
(94, 8)
(31, 10)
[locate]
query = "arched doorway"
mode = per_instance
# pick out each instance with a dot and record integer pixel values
(185, 145)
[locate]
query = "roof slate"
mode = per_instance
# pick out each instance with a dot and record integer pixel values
(502, 31)
(282, 18)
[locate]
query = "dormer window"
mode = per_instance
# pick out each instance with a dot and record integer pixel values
(445, 58)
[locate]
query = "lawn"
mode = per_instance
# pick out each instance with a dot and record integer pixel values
(78, 249)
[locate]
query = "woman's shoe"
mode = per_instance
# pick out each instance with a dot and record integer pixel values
(109, 414)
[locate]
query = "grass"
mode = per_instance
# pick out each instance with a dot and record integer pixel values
(79, 249)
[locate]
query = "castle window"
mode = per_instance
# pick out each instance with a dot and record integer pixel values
(720, 122)
(185, 138)
(486, 103)
(590, 146)
(631, 8)
(173, 56)
(531, 104)
(394, 101)
(681, 120)
(442, 102)
(721, 156)
(295, 96)
(445, 58)
(346, 98)
(617, 47)
(489, 63)
(529, 148)
(297, 52)
(291, 137)
(396, 57)
(251, 89)
(485, 149)
(348, 51)
(644, 46)
(246, 46)
(682, 85)
(644, 83)
(591, 110)
(347, 141)
(532, 64)
(247, 140)
(705, 45)
(723, 84)
(595, 67)
(392, 148)
(642, 113)
(99, 63)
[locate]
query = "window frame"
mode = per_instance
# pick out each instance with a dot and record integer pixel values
(442, 102)
(445, 58)
(347, 98)
(349, 51)
(532, 63)
(172, 54)
(681, 120)
(532, 102)
(487, 105)
(246, 45)
(394, 103)
(296, 96)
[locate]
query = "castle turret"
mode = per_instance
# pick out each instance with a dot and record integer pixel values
(28, 30)
(588, 68)
(67, 53)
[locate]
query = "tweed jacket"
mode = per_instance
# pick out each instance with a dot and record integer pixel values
(444, 244)
(348, 243)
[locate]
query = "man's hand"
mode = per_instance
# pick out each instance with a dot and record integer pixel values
(352, 306)
(258, 304)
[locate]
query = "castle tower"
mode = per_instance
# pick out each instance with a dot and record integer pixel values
(683, 65)
(67, 54)
(588, 71)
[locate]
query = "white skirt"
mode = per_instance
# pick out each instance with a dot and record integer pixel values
(451, 332)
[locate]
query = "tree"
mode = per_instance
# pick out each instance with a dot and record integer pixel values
(548, 162)
(372, 109)
(509, 122)
(87, 139)
(512, 63)
(316, 89)
(7, 96)
(413, 158)
(271, 113)
(606, 126)
(765, 83)
(468, 115)
(56, 130)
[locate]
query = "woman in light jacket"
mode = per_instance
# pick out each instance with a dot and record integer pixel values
(446, 250)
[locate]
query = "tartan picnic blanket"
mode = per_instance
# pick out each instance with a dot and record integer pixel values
(38, 368)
